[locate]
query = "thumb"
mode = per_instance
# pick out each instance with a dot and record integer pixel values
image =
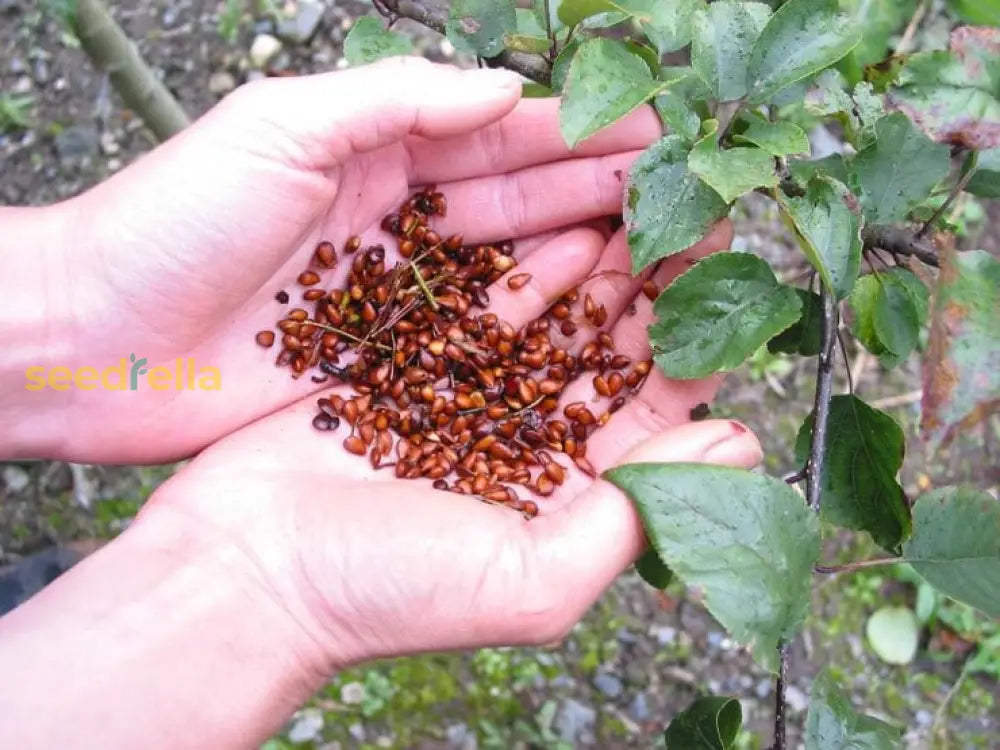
(320, 120)
(587, 544)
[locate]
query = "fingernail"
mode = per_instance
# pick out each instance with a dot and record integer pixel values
(734, 450)
(738, 428)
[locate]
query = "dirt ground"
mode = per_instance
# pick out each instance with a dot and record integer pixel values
(639, 657)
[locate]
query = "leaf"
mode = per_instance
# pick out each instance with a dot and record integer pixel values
(862, 303)
(734, 171)
(956, 545)
(653, 571)
(368, 41)
(982, 12)
(986, 181)
(572, 12)
(666, 25)
(802, 38)
(531, 44)
(479, 26)
(892, 633)
(864, 451)
(832, 724)
(710, 723)
(532, 90)
(777, 138)
(605, 82)
(714, 316)
(878, 21)
(747, 540)
(723, 35)
(953, 96)
(647, 53)
(900, 311)
(667, 209)
(828, 223)
(803, 170)
(961, 371)
(677, 104)
(804, 337)
(857, 111)
(560, 66)
(897, 170)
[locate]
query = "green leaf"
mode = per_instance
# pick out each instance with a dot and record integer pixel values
(647, 53)
(900, 311)
(864, 450)
(667, 209)
(666, 25)
(723, 35)
(747, 540)
(956, 545)
(734, 171)
(531, 44)
(777, 138)
(892, 633)
(955, 96)
(862, 302)
(857, 111)
(827, 221)
(714, 316)
(832, 723)
(529, 23)
(802, 38)
(572, 12)
(532, 90)
(479, 26)
(710, 723)
(897, 170)
(653, 571)
(560, 66)
(368, 41)
(803, 170)
(678, 103)
(805, 335)
(878, 21)
(605, 82)
(961, 372)
(981, 12)
(986, 181)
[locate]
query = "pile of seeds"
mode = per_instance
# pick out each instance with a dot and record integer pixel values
(444, 389)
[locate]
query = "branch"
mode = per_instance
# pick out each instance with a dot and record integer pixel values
(824, 392)
(110, 50)
(856, 565)
(434, 15)
(779, 698)
(900, 242)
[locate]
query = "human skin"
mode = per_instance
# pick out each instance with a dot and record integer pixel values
(275, 558)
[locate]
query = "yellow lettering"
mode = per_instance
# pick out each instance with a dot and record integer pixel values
(60, 378)
(178, 370)
(120, 371)
(86, 379)
(36, 378)
(211, 379)
(190, 371)
(159, 378)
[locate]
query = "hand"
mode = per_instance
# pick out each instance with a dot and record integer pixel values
(377, 566)
(182, 253)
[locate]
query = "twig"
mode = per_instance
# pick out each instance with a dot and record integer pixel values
(939, 729)
(911, 27)
(824, 392)
(900, 242)
(858, 368)
(779, 698)
(970, 170)
(856, 565)
(423, 286)
(903, 399)
(434, 15)
(548, 30)
(847, 363)
(796, 477)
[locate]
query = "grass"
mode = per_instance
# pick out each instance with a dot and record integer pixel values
(15, 112)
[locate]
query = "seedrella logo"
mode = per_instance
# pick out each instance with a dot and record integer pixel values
(127, 375)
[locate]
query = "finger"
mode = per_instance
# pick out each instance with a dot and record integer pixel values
(553, 268)
(318, 121)
(583, 547)
(535, 199)
(528, 135)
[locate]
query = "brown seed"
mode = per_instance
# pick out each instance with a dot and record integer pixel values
(352, 245)
(568, 328)
(354, 444)
(265, 338)
(529, 509)
(291, 343)
(650, 290)
(518, 280)
(617, 404)
(585, 466)
(308, 278)
(619, 361)
(572, 411)
(324, 422)
(326, 254)
(600, 316)
(616, 381)
(589, 307)
(544, 485)
(282, 297)
(312, 295)
(601, 386)
(555, 472)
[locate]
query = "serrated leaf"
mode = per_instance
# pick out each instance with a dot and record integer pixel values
(954, 96)
(368, 41)
(955, 545)
(864, 451)
(723, 35)
(714, 316)
(857, 110)
(900, 311)
(777, 138)
(986, 181)
(833, 724)
(747, 540)
(802, 38)
(897, 170)
(479, 26)
(862, 303)
(605, 82)
(667, 209)
(710, 723)
(531, 44)
(961, 371)
(647, 53)
(827, 220)
(560, 66)
(734, 171)
(532, 90)
(892, 633)
(804, 337)
(653, 571)
(804, 170)
(666, 25)
(678, 103)
(572, 12)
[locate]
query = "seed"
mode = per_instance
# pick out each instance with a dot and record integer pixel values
(572, 411)
(298, 314)
(354, 444)
(308, 278)
(504, 263)
(568, 328)
(529, 509)
(352, 245)
(544, 485)
(555, 472)
(326, 254)
(291, 342)
(589, 308)
(600, 316)
(325, 422)
(265, 338)
(619, 362)
(601, 386)
(518, 280)
(585, 466)
(617, 404)
(650, 290)
(282, 297)
(311, 295)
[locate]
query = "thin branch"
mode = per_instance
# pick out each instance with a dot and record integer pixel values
(796, 476)
(847, 363)
(911, 27)
(779, 698)
(970, 170)
(824, 392)
(900, 242)
(434, 15)
(856, 565)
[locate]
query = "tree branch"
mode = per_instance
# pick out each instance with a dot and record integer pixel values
(856, 565)
(900, 242)
(779, 698)
(434, 15)
(821, 406)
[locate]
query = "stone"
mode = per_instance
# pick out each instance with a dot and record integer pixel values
(763, 688)
(40, 72)
(109, 146)
(609, 685)
(638, 709)
(299, 26)
(460, 737)
(352, 693)
(663, 634)
(17, 65)
(625, 636)
(77, 142)
(15, 478)
(221, 82)
(264, 49)
(357, 731)
(306, 726)
(796, 699)
(574, 720)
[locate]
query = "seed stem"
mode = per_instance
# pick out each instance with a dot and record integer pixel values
(423, 286)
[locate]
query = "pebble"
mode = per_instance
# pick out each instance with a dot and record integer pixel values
(17, 65)
(352, 693)
(663, 634)
(796, 699)
(306, 726)
(264, 49)
(109, 146)
(609, 685)
(763, 688)
(639, 708)
(22, 85)
(357, 731)
(40, 72)
(221, 82)
(460, 738)
(300, 26)
(574, 720)
(626, 636)
(15, 478)
(77, 141)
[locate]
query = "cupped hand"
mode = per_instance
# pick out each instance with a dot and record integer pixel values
(181, 255)
(369, 565)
